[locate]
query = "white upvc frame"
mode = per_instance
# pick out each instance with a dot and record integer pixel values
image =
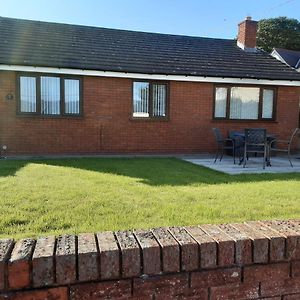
(148, 76)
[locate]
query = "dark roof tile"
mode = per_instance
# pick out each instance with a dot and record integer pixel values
(291, 57)
(36, 43)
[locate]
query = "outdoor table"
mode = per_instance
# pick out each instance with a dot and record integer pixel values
(270, 138)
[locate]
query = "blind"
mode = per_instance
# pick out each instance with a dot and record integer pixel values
(141, 99)
(27, 94)
(159, 100)
(50, 95)
(72, 96)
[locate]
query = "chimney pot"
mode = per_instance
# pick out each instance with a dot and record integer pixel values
(247, 34)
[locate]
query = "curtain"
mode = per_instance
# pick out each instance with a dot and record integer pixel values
(244, 103)
(220, 102)
(267, 107)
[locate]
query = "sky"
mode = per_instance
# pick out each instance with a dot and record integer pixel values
(210, 18)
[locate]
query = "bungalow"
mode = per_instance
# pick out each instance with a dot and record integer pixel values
(68, 89)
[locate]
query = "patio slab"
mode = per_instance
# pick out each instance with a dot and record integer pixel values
(254, 165)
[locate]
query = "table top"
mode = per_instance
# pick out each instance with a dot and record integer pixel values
(241, 135)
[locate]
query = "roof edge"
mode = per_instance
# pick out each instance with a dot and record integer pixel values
(84, 72)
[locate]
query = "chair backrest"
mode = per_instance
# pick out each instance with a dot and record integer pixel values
(218, 134)
(237, 137)
(297, 130)
(256, 136)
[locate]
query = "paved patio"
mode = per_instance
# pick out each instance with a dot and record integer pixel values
(254, 165)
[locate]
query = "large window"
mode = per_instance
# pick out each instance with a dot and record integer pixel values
(49, 95)
(149, 99)
(244, 103)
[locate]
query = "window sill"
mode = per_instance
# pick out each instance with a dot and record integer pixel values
(33, 116)
(243, 121)
(149, 119)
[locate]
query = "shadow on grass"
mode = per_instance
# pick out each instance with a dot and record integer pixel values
(151, 171)
(10, 167)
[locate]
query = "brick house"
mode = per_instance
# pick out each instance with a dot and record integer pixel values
(68, 89)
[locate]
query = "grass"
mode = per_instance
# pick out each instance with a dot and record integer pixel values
(45, 197)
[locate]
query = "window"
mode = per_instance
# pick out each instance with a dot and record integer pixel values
(72, 96)
(141, 99)
(220, 102)
(49, 95)
(28, 94)
(267, 108)
(149, 99)
(244, 103)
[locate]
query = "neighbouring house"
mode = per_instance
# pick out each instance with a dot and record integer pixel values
(68, 89)
(289, 57)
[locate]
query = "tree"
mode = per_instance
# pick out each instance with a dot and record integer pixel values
(281, 32)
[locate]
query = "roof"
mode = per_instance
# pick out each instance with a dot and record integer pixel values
(291, 57)
(44, 44)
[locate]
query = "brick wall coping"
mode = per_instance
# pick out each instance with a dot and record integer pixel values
(236, 249)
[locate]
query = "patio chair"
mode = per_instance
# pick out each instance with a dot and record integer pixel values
(223, 144)
(284, 145)
(238, 143)
(255, 142)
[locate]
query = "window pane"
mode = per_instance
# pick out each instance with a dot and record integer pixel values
(50, 95)
(267, 108)
(71, 96)
(221, 101)
(140, 99)
(244, 103)
(27, 94)
(159, 100)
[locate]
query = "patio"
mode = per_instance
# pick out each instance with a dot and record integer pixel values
(280, 164)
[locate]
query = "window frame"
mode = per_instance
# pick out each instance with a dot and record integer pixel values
(150, 102)
(260, 103)
(62, 78)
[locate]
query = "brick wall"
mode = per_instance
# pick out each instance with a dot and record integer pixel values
(253, 260)
(107, 126)
(247, 33)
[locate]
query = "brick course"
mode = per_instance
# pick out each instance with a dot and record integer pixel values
(107, 125)
(161, 263)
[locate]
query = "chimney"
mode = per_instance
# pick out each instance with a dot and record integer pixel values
(246, 38)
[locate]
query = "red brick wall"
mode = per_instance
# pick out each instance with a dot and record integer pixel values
(107, 127)
(253, 260)
(247, 33)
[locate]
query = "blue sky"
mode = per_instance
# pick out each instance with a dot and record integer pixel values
(212, 18)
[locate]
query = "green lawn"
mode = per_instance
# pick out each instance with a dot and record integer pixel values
(42, 197)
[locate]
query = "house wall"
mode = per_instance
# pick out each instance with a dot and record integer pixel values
(107, 126)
